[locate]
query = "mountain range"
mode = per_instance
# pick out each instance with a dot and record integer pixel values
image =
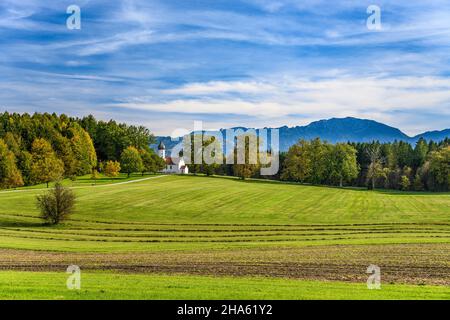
(338, 130)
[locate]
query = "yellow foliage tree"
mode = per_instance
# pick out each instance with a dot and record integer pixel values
(10, 176)
(112, 169)
(46, 166)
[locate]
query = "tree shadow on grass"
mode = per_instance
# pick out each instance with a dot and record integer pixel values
(20, 224)
(411, 193)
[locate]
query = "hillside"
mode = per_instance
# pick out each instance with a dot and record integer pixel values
(142, 215)
(225, 234)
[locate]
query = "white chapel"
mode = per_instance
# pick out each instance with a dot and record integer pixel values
(172, 166)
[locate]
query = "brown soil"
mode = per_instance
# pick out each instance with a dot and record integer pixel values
(402, 263)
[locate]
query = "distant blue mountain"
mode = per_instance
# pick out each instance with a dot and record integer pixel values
(341, 130)
(434, 135)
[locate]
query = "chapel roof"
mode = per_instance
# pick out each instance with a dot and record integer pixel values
(169, 161)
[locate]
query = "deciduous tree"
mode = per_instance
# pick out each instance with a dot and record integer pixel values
(440, 167)
(130, 161)
(111, 169)
(46, 166)
(297, 166)
(343, 165)
(375, 170)
(10, 176)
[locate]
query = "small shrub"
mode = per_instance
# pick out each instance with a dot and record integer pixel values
(57, 204)
(112, 169)
(405, 183)
(95, 176)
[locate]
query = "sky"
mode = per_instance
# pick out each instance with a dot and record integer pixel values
(254, 63)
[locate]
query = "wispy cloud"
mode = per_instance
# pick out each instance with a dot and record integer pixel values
(240, 62)
(382, 99)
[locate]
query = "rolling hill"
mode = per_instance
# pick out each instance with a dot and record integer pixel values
(227, 235)
(180, 237)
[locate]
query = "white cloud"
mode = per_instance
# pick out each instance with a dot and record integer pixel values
(376, 98)
(215, 87)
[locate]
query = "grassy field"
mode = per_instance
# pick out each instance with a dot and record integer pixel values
(220, 226)
(86, 181)
(50, 285)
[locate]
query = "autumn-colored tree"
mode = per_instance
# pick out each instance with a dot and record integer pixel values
(13, 143)
(64, 151)
(46, 166)
(10, 176)
(83, 150)
(95, 175)
(111, 169)
(15, 179)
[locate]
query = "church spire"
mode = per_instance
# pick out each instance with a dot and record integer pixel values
(162, 150)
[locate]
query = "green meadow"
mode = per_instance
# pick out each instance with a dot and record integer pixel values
(195, 232)
(47, 285)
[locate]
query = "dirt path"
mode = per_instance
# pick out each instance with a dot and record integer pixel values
(91, 186)
(412, 264)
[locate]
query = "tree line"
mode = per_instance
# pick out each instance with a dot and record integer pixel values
(44, 147)
(402, 166)
(397, 165)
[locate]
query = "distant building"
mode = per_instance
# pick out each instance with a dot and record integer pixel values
(171, 167)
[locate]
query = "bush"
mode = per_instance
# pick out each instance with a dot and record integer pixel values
(405, 183)
(112, 169)
(57, 204)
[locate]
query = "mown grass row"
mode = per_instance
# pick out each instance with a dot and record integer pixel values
(74, 227)
(211, 237)
(130, 236)
(184, 212)
(223, 233)
(195, 200)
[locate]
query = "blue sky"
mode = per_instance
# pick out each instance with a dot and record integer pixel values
(255, 63)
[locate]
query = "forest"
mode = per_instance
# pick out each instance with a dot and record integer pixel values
(397, 165)
(42, 148)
